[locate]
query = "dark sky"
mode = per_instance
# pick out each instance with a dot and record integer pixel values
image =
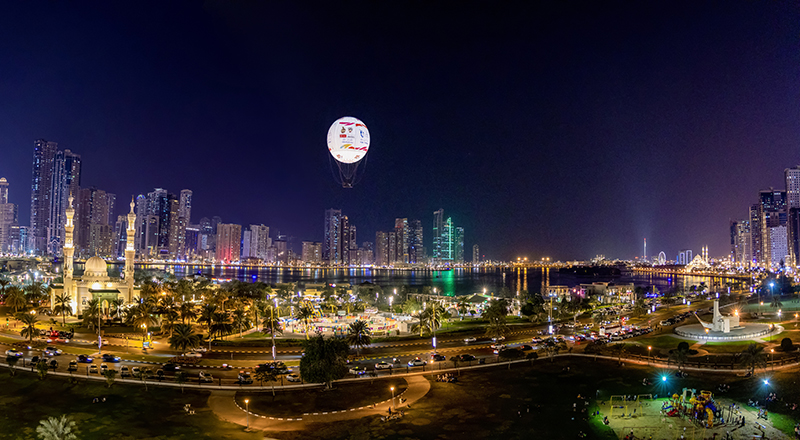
(561, 129)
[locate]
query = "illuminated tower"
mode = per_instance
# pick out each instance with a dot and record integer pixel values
(130, 251)
(69, 252)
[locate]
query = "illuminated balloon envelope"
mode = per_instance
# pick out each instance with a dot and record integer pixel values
(348, 143)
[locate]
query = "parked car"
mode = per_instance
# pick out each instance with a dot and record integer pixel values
(293, 377)
(417, 362)
(53, 364)
(125, 371)
(111, 358)
(13, 352)
(103, 368)
(136, 372)
(93, 369)
(383, 365)
(204, 377)
(73, 366)
(34, 360)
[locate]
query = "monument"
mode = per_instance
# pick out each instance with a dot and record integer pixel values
(725, 328)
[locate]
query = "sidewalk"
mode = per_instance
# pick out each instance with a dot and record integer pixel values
(222, 403)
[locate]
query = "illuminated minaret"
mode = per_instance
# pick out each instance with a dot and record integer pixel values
(130, 252)
(69, 251)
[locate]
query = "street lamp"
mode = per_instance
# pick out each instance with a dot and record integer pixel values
(650, 353)
(392, 388)
(247, 406)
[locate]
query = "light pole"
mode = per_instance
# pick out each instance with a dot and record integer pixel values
(247, 410)
(392, 388)
(272, 326)
(772, 358)
(650, 353)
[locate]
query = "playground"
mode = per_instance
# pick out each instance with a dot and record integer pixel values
(687, 413)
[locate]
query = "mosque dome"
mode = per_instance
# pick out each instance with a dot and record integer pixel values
(96, 267)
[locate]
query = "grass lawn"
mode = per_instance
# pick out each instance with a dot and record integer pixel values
(129, 412)
(662, 342)
(727, 347)
(295, 403)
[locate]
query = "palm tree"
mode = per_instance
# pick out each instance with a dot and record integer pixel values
(240, 319)
(304, 314)
(3, 283)
(15, 298)
(753, 356)
(776, 301)
(220, 325)
(271, 324)
(187, 312)
(62, 428)
(206, 316)
(496, 314)
(358, 335)
(36, 292)
(265, 373)
(117, 304)
(28, 326)
(168, 320)
(91, 314)
(63, 307)
(183, 337)
(140, 316)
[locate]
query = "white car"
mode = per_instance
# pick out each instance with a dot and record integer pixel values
(417, 362)
(13, 353)
(205, 377)
(193, 355)
(199, 350)
(499, 348)
(383, 365)
(470, 339)
(293, 378)
(359, 370)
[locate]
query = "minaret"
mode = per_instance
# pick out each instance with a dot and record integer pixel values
(130, 252)
(69, 251)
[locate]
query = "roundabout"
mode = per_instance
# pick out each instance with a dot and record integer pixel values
(726, 328)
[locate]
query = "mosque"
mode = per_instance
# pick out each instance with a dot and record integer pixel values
(95, 282)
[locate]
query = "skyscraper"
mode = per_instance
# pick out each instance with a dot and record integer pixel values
(332, 244)
(92, 213)
(255, 242)
(65, 182)
(476, 254)
(229, 239)
(416, 246)
(312, 252)
(44, 153)
(381, 249)
(772, 214)
(792, 178)
(740, 242)
(9, 226)
(458, 245)
(403, 233)
(186, 206)
(438, 227)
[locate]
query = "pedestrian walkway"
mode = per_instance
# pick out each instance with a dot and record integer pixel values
(225, 407)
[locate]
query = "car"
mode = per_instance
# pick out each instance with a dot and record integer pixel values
(93, 369)
(148, 373)
(499, 348)
(417, 362)
(73, 366)
(103, 368)
(111, 358)
(52, 351)
(170, 366)
(53, 364)
(199, 349)
(124, 371)
(160, 374)
(244, 377)
(358, 370)
(436, 357)
(204, 377)
(34, 360)
(501, 338)
(293, 377)
(525, 347)
(383, 365)
(84, 359)
(467, 357)
(193, 354)
(136, 372)
(13, 352)
(470, 339)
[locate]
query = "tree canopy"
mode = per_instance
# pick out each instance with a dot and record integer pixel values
(325, 360)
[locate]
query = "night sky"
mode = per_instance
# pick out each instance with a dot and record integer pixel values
(560, 129)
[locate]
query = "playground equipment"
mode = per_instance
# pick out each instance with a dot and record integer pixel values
(629, 404)
(704, 403)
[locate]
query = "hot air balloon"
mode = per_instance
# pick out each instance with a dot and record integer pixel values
(348, 143)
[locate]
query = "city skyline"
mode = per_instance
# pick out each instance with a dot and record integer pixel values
(461, 117)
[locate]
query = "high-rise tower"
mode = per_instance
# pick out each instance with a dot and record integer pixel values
(130, 250)
(41, 193)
